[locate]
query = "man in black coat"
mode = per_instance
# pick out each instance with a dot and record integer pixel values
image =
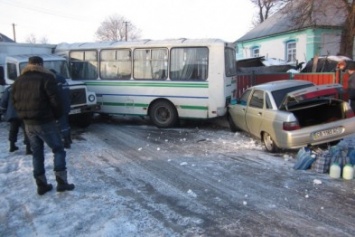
(36, 100)
(16, 123)
(350, 67)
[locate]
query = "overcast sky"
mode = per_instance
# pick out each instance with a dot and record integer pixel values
(77, 20)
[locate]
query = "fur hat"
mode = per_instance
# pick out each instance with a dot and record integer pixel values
(35, 60)
(350, 65)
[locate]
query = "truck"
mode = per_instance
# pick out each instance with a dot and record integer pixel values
(14, 57)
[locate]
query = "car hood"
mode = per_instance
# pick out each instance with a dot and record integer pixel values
(309, 93)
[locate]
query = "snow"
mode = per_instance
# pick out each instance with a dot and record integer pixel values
(94, 208)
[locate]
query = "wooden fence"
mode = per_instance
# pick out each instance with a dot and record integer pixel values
(245, 81)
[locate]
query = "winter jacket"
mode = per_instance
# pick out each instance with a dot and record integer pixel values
(35, 96)
(7, 106)
(64, 93)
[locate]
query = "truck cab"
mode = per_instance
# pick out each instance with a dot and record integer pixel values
(83, 102)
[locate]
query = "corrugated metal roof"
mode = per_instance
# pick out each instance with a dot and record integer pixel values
(326, 13)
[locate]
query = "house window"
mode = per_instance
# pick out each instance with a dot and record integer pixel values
(255, 52)
(291, 51)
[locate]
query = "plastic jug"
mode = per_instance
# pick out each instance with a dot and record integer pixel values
(348, 172)
(334, 171)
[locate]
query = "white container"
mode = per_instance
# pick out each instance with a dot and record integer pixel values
(348, 172)
(334, 171)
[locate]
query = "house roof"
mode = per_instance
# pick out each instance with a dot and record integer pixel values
(326, 13)
(4, 38)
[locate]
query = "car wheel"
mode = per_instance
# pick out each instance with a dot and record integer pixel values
(163, 114)
(269, 143)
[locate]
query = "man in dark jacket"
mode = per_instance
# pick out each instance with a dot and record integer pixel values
(36, 100)
(16, 123)
(63, 121)
(350, 67)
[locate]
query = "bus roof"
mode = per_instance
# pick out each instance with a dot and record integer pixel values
(139, 43)
(24, 57)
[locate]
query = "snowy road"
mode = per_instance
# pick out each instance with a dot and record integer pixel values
(133, 179)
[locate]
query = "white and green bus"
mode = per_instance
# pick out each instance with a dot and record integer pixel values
(166, 80)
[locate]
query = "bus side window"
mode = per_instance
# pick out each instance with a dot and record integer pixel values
(189, 64)
(2, 76)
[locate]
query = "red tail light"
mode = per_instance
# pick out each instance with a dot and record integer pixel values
(349, 113)
(290, 126)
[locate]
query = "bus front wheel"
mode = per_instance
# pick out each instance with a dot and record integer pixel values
(163, 114)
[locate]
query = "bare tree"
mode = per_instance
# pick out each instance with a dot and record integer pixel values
(348, 34)
(31, 39)
(266, 8)
(117, 28)
(44, 40)
(316, 13)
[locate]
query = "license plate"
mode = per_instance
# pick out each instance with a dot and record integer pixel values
(75, 111)
(327, 133)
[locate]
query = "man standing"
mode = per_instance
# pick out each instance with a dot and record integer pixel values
(350, 67)
(63, 121)
(10, 115)
(36, 100)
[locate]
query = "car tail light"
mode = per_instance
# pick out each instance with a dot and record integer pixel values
(349, 113)
(290, 126)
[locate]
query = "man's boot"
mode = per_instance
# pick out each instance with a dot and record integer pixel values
(42, 185)
(62, 181)
(13, 147)
(28, 150)
(66, 143)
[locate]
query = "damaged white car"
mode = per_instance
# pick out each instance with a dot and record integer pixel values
(291, 114)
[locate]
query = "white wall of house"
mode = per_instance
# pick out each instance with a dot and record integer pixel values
(274, 47)
(309, 43)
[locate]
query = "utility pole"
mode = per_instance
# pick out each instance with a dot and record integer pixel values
(14, 31)
(125, 23)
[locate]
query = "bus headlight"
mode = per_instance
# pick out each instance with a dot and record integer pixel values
(92, 98)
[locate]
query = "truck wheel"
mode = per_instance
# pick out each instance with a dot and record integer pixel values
(163, 114)
(81, 120)
(269, 143)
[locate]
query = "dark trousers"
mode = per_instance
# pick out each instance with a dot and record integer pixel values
(39, 135)
(15, 125)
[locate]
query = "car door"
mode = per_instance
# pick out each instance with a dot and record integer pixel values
(238, 110)
(254, 112)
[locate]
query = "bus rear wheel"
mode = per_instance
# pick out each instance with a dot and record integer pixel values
(163, 114)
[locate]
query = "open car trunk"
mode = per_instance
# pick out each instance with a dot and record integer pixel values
(318, 112)
(316, 105)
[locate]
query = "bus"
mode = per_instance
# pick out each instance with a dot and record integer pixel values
(167, 80)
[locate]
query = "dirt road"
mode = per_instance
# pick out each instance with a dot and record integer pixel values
(207, 181)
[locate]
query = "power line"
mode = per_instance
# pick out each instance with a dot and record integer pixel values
(41, 10)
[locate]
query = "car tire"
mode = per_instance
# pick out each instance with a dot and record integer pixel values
(269, 143)
(163, 114)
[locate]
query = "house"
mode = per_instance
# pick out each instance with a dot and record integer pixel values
(4, 38)
(294, 35)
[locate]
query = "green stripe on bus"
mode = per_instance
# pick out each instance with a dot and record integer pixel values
(193, 107)
(147, 84)
(125, 104)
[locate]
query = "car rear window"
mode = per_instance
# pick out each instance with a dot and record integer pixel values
(279, 95)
